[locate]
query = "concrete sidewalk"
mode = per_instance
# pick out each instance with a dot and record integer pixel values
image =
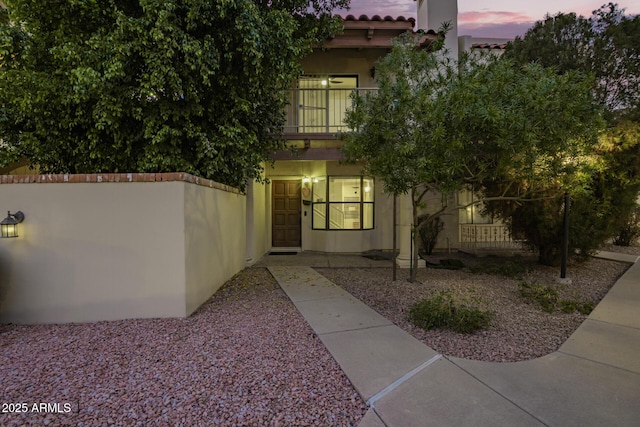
(592, 380)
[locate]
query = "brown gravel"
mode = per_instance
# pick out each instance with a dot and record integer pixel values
(629, 250)
(245, 358)
(519, 331)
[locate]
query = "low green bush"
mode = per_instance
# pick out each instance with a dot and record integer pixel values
(584, 307)
(545, 296)
(443, 310)
(548, 298)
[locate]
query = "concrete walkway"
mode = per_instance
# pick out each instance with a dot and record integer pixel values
(592, 380)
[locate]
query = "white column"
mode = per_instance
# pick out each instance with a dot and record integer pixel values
(433, 13)
(405, 222)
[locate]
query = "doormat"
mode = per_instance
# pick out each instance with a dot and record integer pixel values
(376, 257)
(283, 253)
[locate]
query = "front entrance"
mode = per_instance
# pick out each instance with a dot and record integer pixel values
(286, 213)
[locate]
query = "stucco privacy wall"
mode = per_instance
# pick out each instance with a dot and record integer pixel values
(215, 240)
(116, 246)
(258, 242)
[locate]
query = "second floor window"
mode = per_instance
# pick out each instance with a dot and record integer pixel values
(322, 102)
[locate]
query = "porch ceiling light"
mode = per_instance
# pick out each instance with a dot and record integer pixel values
(9, 225)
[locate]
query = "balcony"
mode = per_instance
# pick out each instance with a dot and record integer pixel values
(319, 111)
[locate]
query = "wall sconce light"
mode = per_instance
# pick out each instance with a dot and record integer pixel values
(9, 225)
(306, 179)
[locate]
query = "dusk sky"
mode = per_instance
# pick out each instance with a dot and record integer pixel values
(490, 18)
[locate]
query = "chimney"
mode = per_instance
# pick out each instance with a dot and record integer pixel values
(433, 13)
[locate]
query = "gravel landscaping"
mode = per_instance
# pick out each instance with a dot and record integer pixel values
(520, 330)
(629, 250)
(246, 358)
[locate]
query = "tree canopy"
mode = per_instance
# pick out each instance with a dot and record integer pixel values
(606, 44)
(607, 47)
(152, 85)
(440, 125)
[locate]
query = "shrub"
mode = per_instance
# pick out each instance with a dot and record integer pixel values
(545, 296)
(548, 299)
(630, 229)
(584, 307)
(509, 268)
(429, 232)
(447, 264)
(444, 311)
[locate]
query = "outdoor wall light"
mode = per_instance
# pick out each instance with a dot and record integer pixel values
(9, 225)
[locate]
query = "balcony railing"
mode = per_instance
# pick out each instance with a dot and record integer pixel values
(319, 110)
(481, 236)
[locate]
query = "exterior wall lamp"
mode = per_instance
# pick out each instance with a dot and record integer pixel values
(306, 191)
(9, 225)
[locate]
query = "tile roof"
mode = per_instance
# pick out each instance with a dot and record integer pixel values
(500, 46)
(378, 18)
(374, 32)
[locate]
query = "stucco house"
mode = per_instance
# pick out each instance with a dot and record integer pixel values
(133, 245)
(314, 202)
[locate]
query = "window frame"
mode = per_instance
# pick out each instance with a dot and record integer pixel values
(327, 203)
(324, 93)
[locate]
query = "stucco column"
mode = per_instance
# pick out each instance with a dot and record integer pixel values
(432, 14)
(405, 220)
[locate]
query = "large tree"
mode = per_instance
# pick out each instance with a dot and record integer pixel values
(439, 125)
(152, 85)
(606, 46)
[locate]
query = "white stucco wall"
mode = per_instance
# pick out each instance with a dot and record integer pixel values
(108, 251)
(258, 242)
(432, 14)
(214, 241)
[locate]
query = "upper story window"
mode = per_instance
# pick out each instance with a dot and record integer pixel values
(343, 203)
(319, 103)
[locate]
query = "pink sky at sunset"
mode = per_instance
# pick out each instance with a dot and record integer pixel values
(490, 18)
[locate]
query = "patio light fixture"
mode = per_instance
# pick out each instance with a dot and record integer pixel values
(9, 225)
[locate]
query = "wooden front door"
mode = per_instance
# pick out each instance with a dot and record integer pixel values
(286, 213)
